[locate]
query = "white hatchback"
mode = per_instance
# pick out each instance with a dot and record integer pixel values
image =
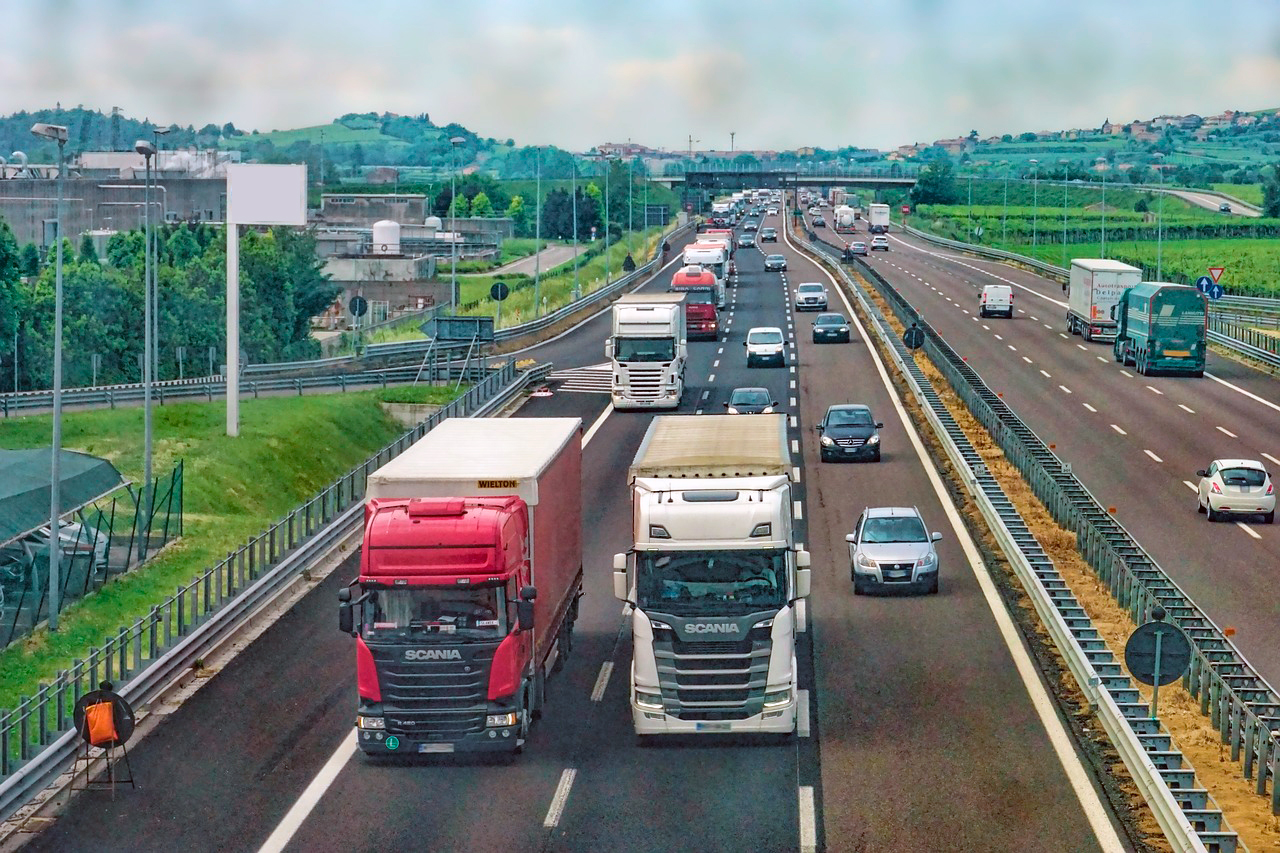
(1236, 487)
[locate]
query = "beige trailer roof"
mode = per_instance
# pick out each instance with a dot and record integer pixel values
(713, 446)
(1103, 265)
(649, 298)
(476, 456)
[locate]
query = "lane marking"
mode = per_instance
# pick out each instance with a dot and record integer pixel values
(802, 713)
(793, 384)
(1101, 359)
(797, 510)
(599, 422)
(1186, 409)
(720, 351)
(1045, 373)
(1155, 390)
(1152, 455)
(292, 821)
(1192, 486)
(795, 474)
(999, 337)
(794, 422)
(1090, 408)
(1117, 429)
(602, 681)
(1012, 347)
(1065, 389)
(1082, 347)
(711, 378)
(808, 823)
(1027, 360)
(1228, 433)
(715, 363)
(793, 402)
(1126, 373)
(1240, 390)
(1247, 529)
(706, 394)
(1272, 458)
(561, 797)
(795, 448)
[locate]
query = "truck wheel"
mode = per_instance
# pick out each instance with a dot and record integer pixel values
(1086, 333)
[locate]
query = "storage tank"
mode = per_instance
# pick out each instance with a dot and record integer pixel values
(433, 224)
(386, 237)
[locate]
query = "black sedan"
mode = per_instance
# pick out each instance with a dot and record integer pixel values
(751, 401)
(849, 431)
(831, 328)
(775, 263)
(746, 241)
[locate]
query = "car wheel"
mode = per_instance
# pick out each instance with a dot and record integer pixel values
(1212, 513)
(1269, 517)
(876, 458)
(933, 586)
(1199, 507)
(859, 587)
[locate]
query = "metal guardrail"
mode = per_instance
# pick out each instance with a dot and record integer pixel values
(37, 742)
(1184, 812)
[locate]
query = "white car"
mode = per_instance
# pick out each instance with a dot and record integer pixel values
(766, 344)
(773, 211)
(1236, 487)
(881, 243)
(811, 296)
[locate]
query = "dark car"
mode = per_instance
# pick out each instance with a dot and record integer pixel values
(830, 327)
(751, 401)
(768, 235)
(746, 241)
(775, 263)
(750, 225)
(849, 431)
(819, 222)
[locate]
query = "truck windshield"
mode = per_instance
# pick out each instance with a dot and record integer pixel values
(644, 349)
(698, 296)
(692, 583)
(468, 612)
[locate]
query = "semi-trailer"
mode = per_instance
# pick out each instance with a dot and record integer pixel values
(1162, 327)
(1094, 287)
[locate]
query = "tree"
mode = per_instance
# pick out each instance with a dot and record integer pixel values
(936, 183)
(182, 246)
(88, 252)
(481, 206)
(229, 130)
(461, 207)
(1029, 136)
(1141, 206)
(1008, 137)
(11, 296)
(519, 216)
(1271, 194)
(29, 259)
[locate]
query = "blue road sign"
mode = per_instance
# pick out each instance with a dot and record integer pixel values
(1203, 283)
(1157, 652)
(1215, 291)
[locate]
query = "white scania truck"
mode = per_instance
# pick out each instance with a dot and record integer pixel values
(716, 581)
(648, 350)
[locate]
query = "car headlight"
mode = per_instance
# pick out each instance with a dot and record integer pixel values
(826, 441)
(366, 722)
(768, 410)
(875, 439)
(927, 560)
(865, 562)
(777, 698)
(496, 720)
(648, 700)
(844, 328)
(731, 410)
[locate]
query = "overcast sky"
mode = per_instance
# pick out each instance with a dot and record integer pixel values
(573, 73)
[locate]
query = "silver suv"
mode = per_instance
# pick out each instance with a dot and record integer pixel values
(891, 547)
(811, 296)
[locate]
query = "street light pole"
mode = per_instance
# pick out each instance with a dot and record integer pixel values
(631, 186)
(147, 150)
(608, 162)
(1035, 200)
(156, 133)
(537, 241)
(1103, 162)
(971, 202)
(57, 133)
(1065, 165)
(1004, 218)
(577, 288)
(453, 226)
(1160, 214)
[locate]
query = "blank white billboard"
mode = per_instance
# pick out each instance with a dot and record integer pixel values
(261, 194)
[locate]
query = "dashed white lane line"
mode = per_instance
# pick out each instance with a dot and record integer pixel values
(595, 427)
(808, 823)
(1228, 433)
(1082, 347)
(1047, 326)
(711, 378)
(706, 394)
(715, 363)
(561, 797)
(793, 384)
(1012, 347)
(793, 402)
(1101, 359)
(795, 473)
(794, 423)
(1155, 390)
(802, 713)
(1268, 455)
(1247, 529)
(795, 448)
(1065, 389)
(1187, 409)
(1126, 373)
(1027, 360)
(797, 510)
(1118, 429)
(1033, 317)
(1192, 486)
(1090, 408)
(1240, 390)
(1152, 455)
(793, 370)
(984, 325)
(1064, 337)
(1045, 373)
(720, 351)
(998, 337)
(602, 681)
(285, 831)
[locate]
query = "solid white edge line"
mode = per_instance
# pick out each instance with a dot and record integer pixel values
(561, 797)
(602, 681)
(808, 821)
(293, 819)
(1063, 746)
(1240, 390)
(595, 427)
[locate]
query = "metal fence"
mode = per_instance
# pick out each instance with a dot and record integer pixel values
(36, 740)
(1241, 704)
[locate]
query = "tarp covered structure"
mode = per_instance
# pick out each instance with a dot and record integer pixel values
(24, 486)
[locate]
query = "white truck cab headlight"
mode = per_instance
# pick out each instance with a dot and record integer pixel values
(496, 720)
(648, 700)
(366, 722)
(777, 698)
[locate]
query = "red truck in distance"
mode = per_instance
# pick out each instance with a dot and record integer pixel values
(701, 317)
(470, 574)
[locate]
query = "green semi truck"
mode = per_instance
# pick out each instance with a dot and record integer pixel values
(1160, 327)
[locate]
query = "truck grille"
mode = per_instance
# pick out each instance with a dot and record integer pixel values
(434, 700)
(645, 383)
(710, 680)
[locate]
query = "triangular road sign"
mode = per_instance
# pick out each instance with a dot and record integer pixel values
(1216, 272)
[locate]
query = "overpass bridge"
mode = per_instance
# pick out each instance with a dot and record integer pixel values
(699, 185)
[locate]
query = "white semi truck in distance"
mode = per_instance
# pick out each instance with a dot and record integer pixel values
(648, 350)
(716, 582)
(877, 218)
(845, 219)
(1093, 290)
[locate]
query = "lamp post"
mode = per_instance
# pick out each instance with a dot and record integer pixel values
(1065, 165)
(58, 134)
(631, 186)
(608, 164)
(156, 133)
(573, 164)
(1004, 218)
(1159, 212)
(537, 241)
(1102, 161)
(453, 226)
(1035, 200)
(147, 150)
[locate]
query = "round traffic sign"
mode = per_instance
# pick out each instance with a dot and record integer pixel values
(499, 291)
(1203, 283)
(913, 338)
(1215, 291)
(358, 306)
(1140, 653)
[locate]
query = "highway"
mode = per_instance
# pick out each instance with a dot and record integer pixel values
(1212, 201)
(928, 725)
(1134, 441)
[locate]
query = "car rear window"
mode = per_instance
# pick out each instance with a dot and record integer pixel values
(765, 337)
(1243, 477)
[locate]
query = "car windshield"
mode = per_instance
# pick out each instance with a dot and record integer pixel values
(644, 349)
(470, 612)
(776, 259)
(750, 397)
(765, 337)
(849, 417)
(881, 531)
(691, 583)
(829, 320)
(1243, 477)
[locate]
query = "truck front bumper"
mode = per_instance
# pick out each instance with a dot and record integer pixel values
(670, 400)
(389, 743)
(780, 720)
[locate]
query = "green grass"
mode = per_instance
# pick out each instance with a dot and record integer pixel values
(289, 449)
(1251, 193)
(436, 395)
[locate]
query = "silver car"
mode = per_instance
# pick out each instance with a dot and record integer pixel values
(811, 296)
(890, 547)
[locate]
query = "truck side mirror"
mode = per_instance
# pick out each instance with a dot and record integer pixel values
(803, 582)
(524, 607)
(608, 348)
(620, 577)
(346, 619)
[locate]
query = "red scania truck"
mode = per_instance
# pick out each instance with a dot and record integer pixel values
(470, 574)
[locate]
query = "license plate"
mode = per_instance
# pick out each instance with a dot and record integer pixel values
(1178, 353)
(712, 727)
(435, 747)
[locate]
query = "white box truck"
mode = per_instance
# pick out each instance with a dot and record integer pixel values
(845, 219)
(1093, 290)
(648, 349)
(877, 218)
(716, 582)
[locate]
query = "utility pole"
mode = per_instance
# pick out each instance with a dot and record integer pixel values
(732, 134)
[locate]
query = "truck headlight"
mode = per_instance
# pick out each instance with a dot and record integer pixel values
(826, 441)
(367, 722)
(496, 720)
(649, 700)
(777, 698)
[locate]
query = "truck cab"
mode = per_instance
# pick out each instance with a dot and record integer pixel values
(648, 351)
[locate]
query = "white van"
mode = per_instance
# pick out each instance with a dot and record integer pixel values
(996, 299)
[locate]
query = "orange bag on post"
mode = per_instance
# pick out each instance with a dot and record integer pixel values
(100, 721)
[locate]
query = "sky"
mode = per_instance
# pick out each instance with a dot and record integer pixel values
(776, 74)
